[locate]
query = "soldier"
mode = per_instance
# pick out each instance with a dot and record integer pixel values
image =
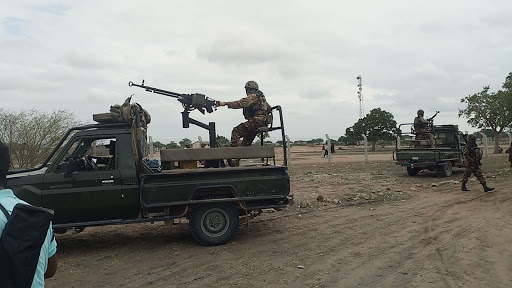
(472, 157)
(255, 110)
(509, 150)
(421, 127)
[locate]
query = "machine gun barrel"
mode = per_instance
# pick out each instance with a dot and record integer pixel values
(432, 118)
(188, 101)
(156, 90)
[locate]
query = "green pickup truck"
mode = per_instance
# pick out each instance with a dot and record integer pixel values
(441, 156)
(97, 176)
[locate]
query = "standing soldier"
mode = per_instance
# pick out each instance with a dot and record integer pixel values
(255, 110)
(509, 150)
(472, 157)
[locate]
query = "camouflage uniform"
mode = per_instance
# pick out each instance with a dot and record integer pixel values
(510, 154)
(255, 110)
(472, 157)
(470, 165)
(420, 125)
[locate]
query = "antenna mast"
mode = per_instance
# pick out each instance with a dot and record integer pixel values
(360, 96)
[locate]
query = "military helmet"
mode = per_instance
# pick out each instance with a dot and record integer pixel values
(471, 137)
(421, 112)
(251, 85)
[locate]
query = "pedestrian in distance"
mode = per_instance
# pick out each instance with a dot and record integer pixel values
(472, 163)
(255, 111)
(41, 258)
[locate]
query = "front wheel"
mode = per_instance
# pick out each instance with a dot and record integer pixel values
(214, 223)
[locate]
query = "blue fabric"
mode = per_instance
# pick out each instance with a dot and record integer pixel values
(49, 248)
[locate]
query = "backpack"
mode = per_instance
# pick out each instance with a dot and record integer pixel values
(20, 244)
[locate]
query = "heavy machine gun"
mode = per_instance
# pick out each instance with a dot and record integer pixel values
(189, 102)
(430, 125)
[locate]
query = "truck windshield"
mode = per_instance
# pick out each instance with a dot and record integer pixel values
(64, 143)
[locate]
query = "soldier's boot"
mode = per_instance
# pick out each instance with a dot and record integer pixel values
(464, 188)
(487, 189)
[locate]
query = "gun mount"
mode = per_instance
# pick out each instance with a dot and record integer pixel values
(189, 102)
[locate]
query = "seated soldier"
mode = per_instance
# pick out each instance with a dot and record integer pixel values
(421, 128)
(112, 151)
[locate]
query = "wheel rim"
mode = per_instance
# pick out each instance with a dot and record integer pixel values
(448, 169)
(214, 222)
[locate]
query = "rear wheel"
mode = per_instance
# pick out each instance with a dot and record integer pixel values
(445, 170)
(214, 224)
(413, 171)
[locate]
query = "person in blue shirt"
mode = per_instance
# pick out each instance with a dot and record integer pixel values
(47, 264)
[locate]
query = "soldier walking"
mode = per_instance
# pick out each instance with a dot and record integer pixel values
(472, 158)
(509, 150)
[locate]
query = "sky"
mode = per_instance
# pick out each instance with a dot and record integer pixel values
(79, 56)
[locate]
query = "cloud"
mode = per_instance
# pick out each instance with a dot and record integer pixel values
(54, 9)
(79, 56)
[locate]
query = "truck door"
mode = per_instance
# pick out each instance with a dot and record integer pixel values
(85, 184)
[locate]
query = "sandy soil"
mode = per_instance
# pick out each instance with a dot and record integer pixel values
(352, 225)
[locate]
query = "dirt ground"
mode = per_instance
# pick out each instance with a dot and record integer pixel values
(353, 224)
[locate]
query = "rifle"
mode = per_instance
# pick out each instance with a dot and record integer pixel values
(188, 101)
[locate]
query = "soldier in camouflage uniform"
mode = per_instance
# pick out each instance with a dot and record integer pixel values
(509, 150)
(255, 110)
(420, 127)
(472, 157)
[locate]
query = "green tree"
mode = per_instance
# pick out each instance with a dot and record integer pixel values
(265, 136)
(171, 145)
(31, 135)
(184, 142)
(348, 140)
(376, 125)
(158, 144)
(490, 110)
(222, 141)
(316, 141)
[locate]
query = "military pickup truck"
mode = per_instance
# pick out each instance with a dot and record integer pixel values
(441, 156)
(97, 175)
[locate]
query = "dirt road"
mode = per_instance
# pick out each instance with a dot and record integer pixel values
(375, 226)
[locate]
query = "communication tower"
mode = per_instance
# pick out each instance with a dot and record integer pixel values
(360, 96)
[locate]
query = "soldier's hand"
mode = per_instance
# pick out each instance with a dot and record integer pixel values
(220, 103)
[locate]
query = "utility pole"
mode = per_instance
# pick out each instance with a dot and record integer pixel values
(360, 96)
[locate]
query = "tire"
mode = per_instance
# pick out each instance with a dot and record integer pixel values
(413, 171)
(445, 170)
(214, 223)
